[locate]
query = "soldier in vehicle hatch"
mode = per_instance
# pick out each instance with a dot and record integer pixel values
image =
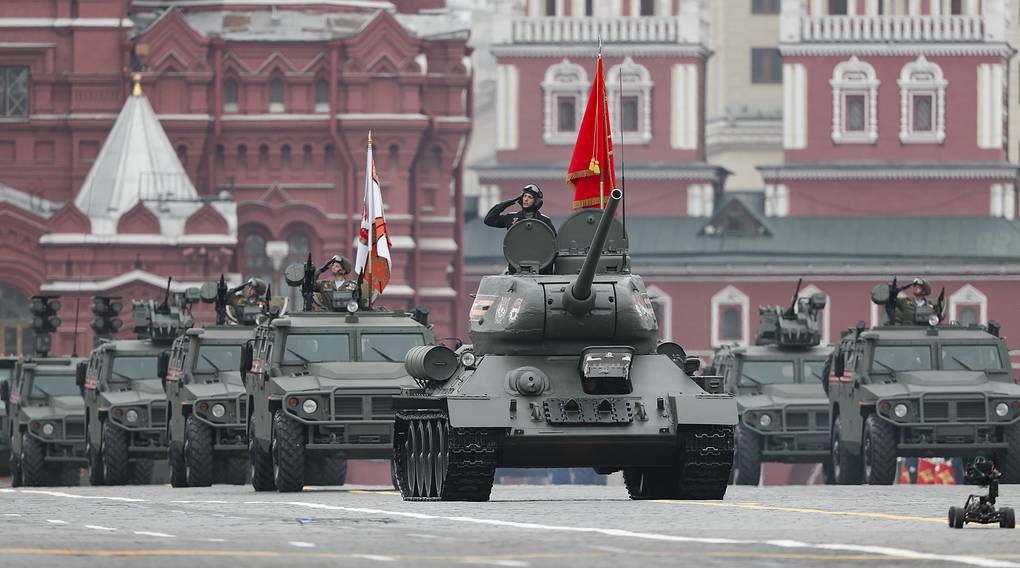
(251, 293)
(920, 289)
(339, 268)
(530, 201)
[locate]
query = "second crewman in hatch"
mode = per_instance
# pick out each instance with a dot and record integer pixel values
(530, 201)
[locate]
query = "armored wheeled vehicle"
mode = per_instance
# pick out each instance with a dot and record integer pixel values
(46, 421)
(783, 413)
(925, 389)
(6, 372)
(320, 385)
(126, 408)
(566, 371)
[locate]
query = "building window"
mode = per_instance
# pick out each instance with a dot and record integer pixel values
(306, 157)
(968, 304)
(550, 7)
(242, 155)
(285, 156)
(13, 92)
(230, 95)
(322, 96)
(220, 156)
(16, 336)
(838, 7)
(765, 6)
(263, 155)
(956, 7)
(1003, 200)
(276, 95)
(730, 323)
(256, 262)
(730, 320)
(631, 109)
(922, 103)
(766, 65)
(700, 200)
(182, 155)
(565, 87)
(589, 7)
(777, 200)
(647, 7)
(854, 103)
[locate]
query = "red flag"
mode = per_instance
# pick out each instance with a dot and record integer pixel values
(592, 171)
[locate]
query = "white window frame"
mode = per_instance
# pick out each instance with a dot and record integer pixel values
(854, 77)
(636, 81)
(777, 200)
(968, 295)
(563, 79)
(730, 296)
(922, 77)
(826, 313)
(700, 200)
(659, 295)
(1003, 200)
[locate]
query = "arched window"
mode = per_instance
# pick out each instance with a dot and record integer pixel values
(306, 157)
(394, 156)
(330, 158)
(276, 95)
(16, 335)
(182, 155)
(256, 262)
(968, 305)
(242, 155)
(220, 155)
(730, 317)
(632, 108)
(437, 158)
(854, 103)
(230, 95)
(922, 103)
(263, 155)
(285, 155)
(322, 96)
(565, 88)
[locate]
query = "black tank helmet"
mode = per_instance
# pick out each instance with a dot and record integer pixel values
(535, 192)
(924, 284)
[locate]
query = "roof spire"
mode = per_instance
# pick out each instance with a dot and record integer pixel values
(137, 78)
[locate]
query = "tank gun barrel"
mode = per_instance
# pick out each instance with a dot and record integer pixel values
(578, 299)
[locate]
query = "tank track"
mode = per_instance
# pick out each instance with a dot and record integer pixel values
(470, 461)
(707, 454)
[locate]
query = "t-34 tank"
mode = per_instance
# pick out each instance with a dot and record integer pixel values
(565, 371)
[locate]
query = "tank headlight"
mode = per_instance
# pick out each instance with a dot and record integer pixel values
(468, 359)
(218, 410)
(352, 306)
(1001, 410)
(309, 406)
(933, 320)
(47, 429)
(765, 420)
(900, 410)
(131, 415)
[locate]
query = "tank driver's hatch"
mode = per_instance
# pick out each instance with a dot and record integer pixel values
(529, 246)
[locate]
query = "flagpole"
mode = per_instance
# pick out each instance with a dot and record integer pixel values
(602, 170)
(370, 214)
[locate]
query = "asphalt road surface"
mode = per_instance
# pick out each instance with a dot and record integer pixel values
(521, 526)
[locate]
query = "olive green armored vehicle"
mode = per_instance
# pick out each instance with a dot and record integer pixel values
(46, 422)
(126, 409)
(565, 372)
(320, 385)
(6, 372)
(922, 389)
(783, 413)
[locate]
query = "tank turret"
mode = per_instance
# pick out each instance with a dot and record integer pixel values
(795, 326)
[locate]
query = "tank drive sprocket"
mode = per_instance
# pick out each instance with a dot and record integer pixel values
(437, 463)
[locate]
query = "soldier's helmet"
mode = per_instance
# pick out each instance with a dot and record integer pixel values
(258, 284)
(924, 284)
(536, 192)
(343, 261)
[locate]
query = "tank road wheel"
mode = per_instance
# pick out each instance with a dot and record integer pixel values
(32, 461)
(198, 452)
(140, 471)
(288, 454)
(879, 451)
(426, 459)
(1009, 461)
(175, 458)
(747, 457)
(95, 462)
(434, 462)
(113, 449)
(261, 462)
(846, 467)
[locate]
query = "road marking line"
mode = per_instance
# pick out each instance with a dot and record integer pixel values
(73, 496)
(497, 562)
(99, 528)
(11, 515)
(212, 502)
(300, 544)
(56, 521)
(376, 557)
(214, 539)
(756, 507)
(157, 534)
(7, 491)
(371, 492)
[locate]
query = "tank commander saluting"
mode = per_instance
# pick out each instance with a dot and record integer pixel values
(920, 289)
(339, 268)
(530, 201)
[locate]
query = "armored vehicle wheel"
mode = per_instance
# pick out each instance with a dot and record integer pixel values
(827, 473)
(326, 470)
(15, 468)
(95, 462)
(1007, 520)
(232, 471)
(435, 462)
(846, 467)
(32, 462)
(261, 462)
(393, 475)
(140, 472)
(113, 452)
(288, 448)
(879, 451)
(198, 452)
(1009, 461)
(175, 457)
(956, 516)
(747, 457)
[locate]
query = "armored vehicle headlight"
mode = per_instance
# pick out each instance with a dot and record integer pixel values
(131, 415)
(1001, 409)
(765, 420)
(900, 410)
(468, 359)
(309, 406)
(218, 410)
(933, 320)
(47, 429)
(352, 306)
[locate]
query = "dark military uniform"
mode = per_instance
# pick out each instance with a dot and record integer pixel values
(496, 218)
(906, 308)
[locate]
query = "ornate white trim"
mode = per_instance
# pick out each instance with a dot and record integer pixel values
(922, 77)
(897, 50)
(563, 79)
(1003, 200)
(635, 80)
(968, 295)
(616, 50)
(774, 173)
(507, 106)
(854, 77)
(730, 296)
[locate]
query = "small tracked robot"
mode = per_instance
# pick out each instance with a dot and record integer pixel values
(981, 508)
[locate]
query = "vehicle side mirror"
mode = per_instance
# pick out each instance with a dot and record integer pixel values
(163, 365)
(826, 371)
(839, 364)
(79, 374)
(5, 391)
(247, 355)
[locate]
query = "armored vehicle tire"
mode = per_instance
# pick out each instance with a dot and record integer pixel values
(1009, 461)
(747, 457)
(325, 470)
(261, 462)
(956, 515)
(32, 462)
(435, 462)
(95, 462)
(14, 465)
(140, 472)
(827, 471)
(175, 457)
(232, 471)
(1008, 518)
(879, 451)
(288, 447)
(846, 467)
(113, 452)
(198, 452)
